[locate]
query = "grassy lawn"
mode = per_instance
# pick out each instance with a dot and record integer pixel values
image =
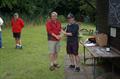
(32, 61)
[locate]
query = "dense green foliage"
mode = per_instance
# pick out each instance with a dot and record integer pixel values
(35, 8)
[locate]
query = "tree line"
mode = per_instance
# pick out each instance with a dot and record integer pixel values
(44, 7)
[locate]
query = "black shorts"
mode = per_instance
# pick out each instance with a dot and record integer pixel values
(72, 47)
(17, 35)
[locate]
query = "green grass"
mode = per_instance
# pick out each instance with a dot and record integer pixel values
(32, 61)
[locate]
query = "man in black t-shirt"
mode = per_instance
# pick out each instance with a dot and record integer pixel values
(72, 32)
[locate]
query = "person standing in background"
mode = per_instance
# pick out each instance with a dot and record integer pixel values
(1, 23)
(17, 25)
(53, 26)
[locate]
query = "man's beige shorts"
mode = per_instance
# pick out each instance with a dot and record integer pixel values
(54, 46)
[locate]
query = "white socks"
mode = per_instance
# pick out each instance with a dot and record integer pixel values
(51, 64)
(18, 45)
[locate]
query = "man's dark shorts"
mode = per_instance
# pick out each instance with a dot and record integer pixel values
(17, 35)
(72, 47)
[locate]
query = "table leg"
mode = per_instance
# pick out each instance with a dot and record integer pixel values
(94, 68)
(84, 54)
(112, 70)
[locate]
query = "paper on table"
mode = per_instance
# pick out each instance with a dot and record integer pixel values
(90, 44)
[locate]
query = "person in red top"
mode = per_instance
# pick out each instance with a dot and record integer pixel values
(53, 27)
(17, 25)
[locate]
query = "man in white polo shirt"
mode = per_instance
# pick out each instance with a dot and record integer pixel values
(1, 23)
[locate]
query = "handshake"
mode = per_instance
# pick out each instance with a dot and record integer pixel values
(65, 33)
(58, 37)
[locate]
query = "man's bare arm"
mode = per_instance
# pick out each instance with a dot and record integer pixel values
(64, 32)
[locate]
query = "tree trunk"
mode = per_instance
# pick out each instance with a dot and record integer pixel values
(102, 16)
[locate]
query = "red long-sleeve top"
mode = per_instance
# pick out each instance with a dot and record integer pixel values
(17, 25)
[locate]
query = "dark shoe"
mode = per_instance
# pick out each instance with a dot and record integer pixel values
(72, 66)
(77, 69)
(52, 68)
(17, 47)
(57, 65)
(21, 47)
(2, 47)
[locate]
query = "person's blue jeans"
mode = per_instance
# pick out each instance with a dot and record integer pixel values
(0, 39)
